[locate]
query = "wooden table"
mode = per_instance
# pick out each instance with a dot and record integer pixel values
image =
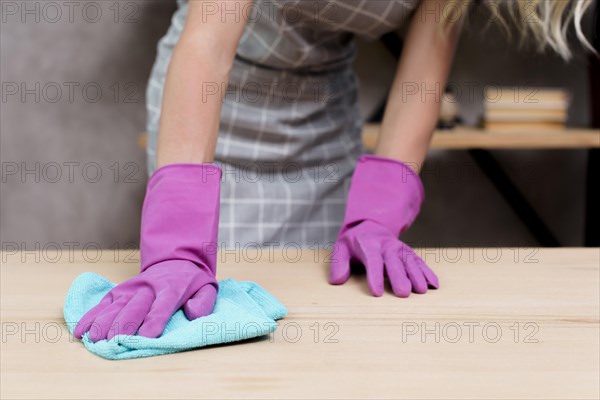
(506, 323)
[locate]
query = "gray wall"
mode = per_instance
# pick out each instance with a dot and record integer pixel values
(80, 136)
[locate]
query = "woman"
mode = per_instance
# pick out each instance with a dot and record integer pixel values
(253, 119)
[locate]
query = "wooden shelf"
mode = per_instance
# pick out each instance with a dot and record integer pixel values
(470, 138)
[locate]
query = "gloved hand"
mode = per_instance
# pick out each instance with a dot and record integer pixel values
(384, 199)
(178, 247)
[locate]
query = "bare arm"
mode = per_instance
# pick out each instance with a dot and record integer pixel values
(201, 61)
(412, 111)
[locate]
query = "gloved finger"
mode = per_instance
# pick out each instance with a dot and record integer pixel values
(339, 265)
(369, 253)
(87, 320)
(160, 313)
(399, 281)
(410, 259)
(201, 303)
(104, 321)
(430, 276)
(131, 316)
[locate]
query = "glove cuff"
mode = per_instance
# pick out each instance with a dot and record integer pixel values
(385, 191)
(409, 176)
(180, 215)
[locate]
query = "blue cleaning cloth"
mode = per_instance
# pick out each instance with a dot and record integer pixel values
(243, 310)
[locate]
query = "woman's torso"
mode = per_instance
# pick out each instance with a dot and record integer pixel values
(290, 127)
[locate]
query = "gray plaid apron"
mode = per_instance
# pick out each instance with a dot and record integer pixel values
(290, 129)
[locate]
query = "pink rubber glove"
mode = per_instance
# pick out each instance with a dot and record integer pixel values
(178, 246)
(384, 199)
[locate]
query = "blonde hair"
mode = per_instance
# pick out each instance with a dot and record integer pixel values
(546, 21)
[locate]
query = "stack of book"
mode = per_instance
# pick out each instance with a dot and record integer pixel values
(526, 110)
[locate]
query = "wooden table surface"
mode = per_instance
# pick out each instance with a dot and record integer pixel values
(506, 323)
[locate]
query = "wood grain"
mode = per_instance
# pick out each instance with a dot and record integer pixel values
(364, 347)
(467, 138)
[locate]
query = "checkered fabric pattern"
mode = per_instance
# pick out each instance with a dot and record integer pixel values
(290, 131)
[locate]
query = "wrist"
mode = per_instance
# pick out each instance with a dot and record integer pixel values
(180, 215)
(384, 191)
(404, 173)
(197, 173)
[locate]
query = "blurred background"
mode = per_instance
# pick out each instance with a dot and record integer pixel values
(73, 110)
